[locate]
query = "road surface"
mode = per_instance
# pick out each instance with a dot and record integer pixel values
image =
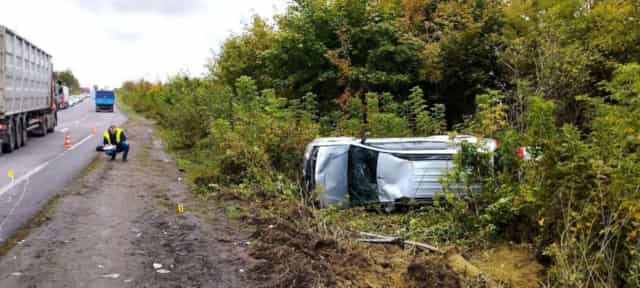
(44, 166)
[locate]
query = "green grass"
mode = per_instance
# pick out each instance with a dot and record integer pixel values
(233, 212)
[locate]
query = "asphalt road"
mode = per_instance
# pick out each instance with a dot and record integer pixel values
(44, 167)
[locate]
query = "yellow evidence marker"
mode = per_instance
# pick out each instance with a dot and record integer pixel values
(10, 174)
(180, 208)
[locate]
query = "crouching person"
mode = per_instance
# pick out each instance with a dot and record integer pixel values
(115, 136)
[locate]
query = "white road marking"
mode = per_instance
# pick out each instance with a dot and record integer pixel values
(13, 209)
(81, 141)
(39, 168)
(25, 178)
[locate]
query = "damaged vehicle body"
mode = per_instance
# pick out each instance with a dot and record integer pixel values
(352, 172)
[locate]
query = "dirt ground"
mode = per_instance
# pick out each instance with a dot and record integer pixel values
(295, 256)
(114, 223)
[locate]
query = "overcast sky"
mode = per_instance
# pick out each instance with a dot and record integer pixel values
(106, 42)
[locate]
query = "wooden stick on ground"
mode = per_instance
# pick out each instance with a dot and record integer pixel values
(389, 239)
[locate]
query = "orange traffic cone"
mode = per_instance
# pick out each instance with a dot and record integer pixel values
(67, 141)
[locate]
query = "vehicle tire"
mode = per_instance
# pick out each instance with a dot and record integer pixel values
(18, 133)
(10, 145)
(44, 126)
(52, 126)
(24, 133)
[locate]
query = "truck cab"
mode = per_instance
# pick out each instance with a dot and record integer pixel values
(105, 100)
(62, 96)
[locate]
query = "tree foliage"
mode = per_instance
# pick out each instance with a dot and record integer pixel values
(68, 79)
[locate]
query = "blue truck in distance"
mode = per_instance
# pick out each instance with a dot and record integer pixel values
(105, 100)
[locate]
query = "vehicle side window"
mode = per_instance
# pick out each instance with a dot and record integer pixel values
(363, 186)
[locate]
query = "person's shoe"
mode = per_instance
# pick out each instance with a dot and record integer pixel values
(124, 160)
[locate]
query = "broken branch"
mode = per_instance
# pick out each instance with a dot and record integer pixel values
(389, 239)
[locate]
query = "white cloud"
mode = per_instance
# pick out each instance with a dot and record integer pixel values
(106, 42)
(164, 7)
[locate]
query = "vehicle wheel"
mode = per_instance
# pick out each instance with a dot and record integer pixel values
(10, 145)
(18, 133)
(44, 126)
(52, 127)
(24, 134)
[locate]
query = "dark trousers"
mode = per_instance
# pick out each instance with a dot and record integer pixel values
(123, 148)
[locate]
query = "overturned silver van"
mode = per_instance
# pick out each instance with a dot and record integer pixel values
(350, 172)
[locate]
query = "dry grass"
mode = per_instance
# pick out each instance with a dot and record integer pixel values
(510, 264)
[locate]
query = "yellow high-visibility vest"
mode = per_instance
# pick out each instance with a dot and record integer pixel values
(108, 136)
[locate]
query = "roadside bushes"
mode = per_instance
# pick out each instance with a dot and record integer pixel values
(254, 140)
(577, 195)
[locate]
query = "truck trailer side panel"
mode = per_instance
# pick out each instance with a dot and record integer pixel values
(27, 104)
(25, 75)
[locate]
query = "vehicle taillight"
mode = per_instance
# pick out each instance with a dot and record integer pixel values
(3, 127)
(520, 153)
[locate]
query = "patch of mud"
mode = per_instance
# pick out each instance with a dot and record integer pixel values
(431, 274)
(290, 257)
(294, 255)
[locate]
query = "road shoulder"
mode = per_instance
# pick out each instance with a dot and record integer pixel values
(114, 223)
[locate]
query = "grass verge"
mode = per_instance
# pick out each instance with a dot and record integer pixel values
(124, 108)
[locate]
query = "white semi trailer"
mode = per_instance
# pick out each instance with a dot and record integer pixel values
(27, 91)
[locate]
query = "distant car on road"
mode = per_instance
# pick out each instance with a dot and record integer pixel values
(105, 100)
(73, 101)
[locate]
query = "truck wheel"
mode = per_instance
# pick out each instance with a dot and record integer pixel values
(52, 126)
(10, 145)
(24, 134)
(44, 126)
(18, 134)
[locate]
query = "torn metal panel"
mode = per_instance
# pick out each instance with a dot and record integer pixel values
(331, 174)
(392, 177)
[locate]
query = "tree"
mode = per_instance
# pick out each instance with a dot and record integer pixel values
(242, 55)
(68, 79)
